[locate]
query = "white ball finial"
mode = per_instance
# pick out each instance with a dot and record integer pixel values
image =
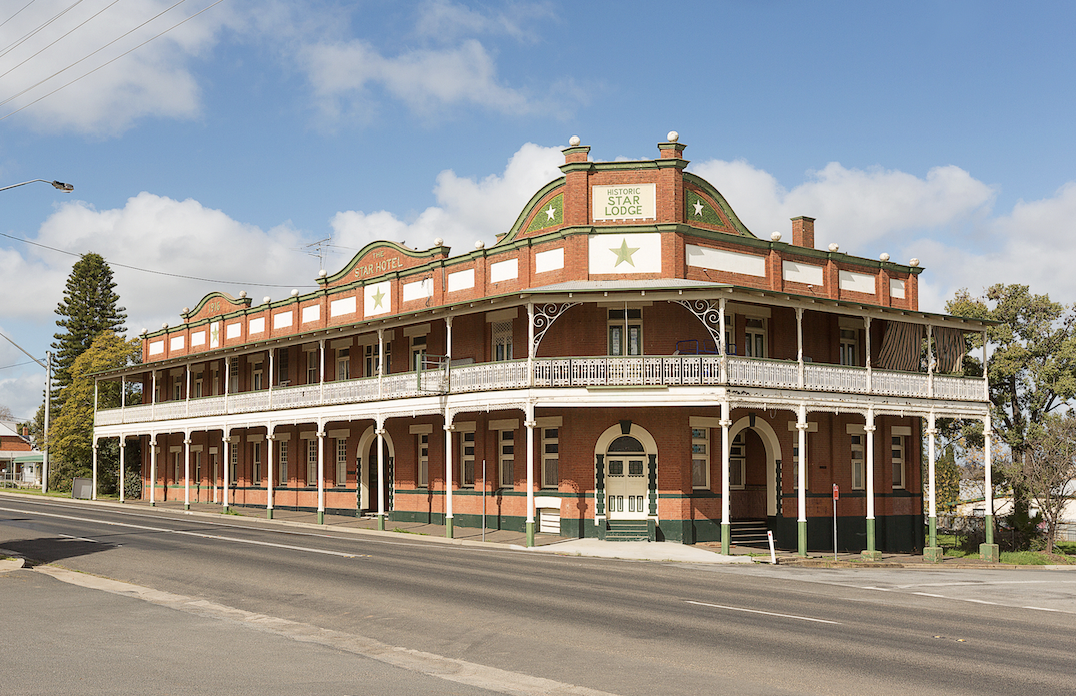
(834, 247)
(574, 141)
(144, 331)
(673, 136)
(243, 295)
(438, 242)
(322, 273)
(479, 244)
(883, 257)
(294, 293)
(913, 263)
(776, 236)
(266, 299)
(186, 310)
(164, 325)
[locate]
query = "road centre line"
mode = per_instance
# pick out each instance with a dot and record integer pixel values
(767, 613)
(217, 537)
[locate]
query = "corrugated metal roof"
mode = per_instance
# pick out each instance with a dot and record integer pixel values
(649, 284)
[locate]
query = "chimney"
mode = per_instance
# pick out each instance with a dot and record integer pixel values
(803, 231)
(25, 432)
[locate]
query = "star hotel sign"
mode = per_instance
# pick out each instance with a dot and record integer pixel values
(624, 202)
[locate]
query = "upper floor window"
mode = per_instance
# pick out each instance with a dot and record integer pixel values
(198, 385)
(256, 373)
(233, 375)
(625, 331)
(418, 352)
(373, 359)
(755, 338)
(502, 341)
(849, 347)
(282, 366)
(311, 366)
(177, 387)
(343, 364)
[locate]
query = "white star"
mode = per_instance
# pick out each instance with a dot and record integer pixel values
(552, 212)
(698, 207)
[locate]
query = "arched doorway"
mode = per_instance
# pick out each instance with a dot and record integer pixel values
(626, 451)
(369, 479)
(756, 451)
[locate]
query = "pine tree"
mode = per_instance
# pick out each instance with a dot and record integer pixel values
(89, 306)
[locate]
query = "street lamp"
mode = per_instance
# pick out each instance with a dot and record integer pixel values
(58, 185)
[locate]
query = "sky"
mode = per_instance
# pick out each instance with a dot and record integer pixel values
(212, 145)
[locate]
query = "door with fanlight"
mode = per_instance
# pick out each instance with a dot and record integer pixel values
(625, 479)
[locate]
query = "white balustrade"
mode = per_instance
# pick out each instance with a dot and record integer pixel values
(248, 402)
(778, 374)
(958, 388)
(169, 410)
(207, 406)
(838, 378)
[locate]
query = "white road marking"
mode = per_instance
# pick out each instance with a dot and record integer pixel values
(927, 594)
(216, 537)
(68, 537)
(1043, 609)
(767, 613)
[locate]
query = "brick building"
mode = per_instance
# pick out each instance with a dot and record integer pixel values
(628, 360)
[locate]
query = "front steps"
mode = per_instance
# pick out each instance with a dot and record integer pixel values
(749, 533)
(627, 530)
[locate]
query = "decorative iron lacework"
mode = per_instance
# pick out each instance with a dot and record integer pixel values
(544, 316)
(709, 313)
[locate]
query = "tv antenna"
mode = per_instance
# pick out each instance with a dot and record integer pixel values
(318, 249)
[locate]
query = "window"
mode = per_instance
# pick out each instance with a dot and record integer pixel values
(550, 457)
(177, 459)
(343, 364)
(796, 467)
(256, 377)
(282, 366)
(467, 457)
(373, 360)
(502, 341)
(256, 476)
(216, 382)
(418, 352)
(738, 460)
(730, 334)
(755, 338)
(177, 388)
(506, 457)
(283, 456)
(625, 332)
(311, 366)
(198, 385)
(897, 450)
(423, 460)
(858, 438)
(233, 375)
(700, 457)
(311, 462)
(341, 462)
(233, 465)
(849, 347)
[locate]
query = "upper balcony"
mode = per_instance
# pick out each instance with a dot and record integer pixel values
(542, 373)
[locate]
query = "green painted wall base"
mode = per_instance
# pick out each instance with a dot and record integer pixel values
(269, 514)
(933, 554)
(801, 546)
(530, 534)
(726, 538)
(990, 553)
(871, 555)
(449, 531)
(651, 529)
(321, 517)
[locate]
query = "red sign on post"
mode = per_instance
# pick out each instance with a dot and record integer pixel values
(836, 492)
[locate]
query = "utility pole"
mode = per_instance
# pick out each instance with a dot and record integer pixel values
(48, 398)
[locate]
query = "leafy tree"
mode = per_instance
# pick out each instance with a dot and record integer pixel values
(1032, 373)
(1049, 469)
(947, 481)
(89, 306)
(71, 434)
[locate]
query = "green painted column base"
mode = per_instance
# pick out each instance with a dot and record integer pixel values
(153, 504)
(933, 554)
(990, 553)
(380, 523)
(802, 545)
(872, 546)
(530, 534)
(186, 506)
(871, 555)
(269, 514)
(321, 517)
(726, 539)
(933, 533)
(988, 528)
(224, 510)
(448, 528)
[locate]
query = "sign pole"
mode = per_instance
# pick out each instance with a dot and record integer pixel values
(836, 495)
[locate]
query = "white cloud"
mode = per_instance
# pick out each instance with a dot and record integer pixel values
(443, 20)
(468, 210)
(154, 80)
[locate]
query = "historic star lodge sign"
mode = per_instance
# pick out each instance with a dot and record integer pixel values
(624, 202)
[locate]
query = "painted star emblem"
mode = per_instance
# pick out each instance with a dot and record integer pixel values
(698, 207)
(551, 212)
(623, 253)
(378, 296)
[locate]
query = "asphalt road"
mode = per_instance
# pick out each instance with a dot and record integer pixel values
(616, 626)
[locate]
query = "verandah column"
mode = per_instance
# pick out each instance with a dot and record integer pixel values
(530, 423)
(380, 473)
(801, 521)
(226, 472)
(123, 469)
(93, 493)
(872, 547)
(152, 469)
(321, 472)
(989, 550)
(726, 494)
(187, 470)
(932, 552)
(449, 429)
(269, 464)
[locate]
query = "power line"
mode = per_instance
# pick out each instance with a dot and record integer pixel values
(59, 39)
(10, 47)
(154, 272)
(17, 13)
(8, 367)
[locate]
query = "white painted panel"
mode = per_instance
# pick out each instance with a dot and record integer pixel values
(461, 280)
(729, 261)
(197, 338)
(311, 313)
(625, 253)
(282, 320)
(551, 260)
(345, 305)
(234, 330)
(256, 326)
(802, 273)
(176, 343)
(896, 288)
(504, 270)
(624, 202)
(156, 348)
(377, 298)
(418, 290)
(857, 282)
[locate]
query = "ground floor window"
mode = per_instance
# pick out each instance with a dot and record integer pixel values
(897, 453)
(738, 460)
(311, 462)
(858, 437)
(467, 457)
(506, 442)
(341, 461)
(233, 465)
(257, 463)
(550, 457)
(423, 459)
(700, 457)
(283, 463)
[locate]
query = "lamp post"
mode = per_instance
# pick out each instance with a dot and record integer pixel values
(66, 188)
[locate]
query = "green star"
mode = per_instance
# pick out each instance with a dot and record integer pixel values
(378, 296)
(624, 253)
